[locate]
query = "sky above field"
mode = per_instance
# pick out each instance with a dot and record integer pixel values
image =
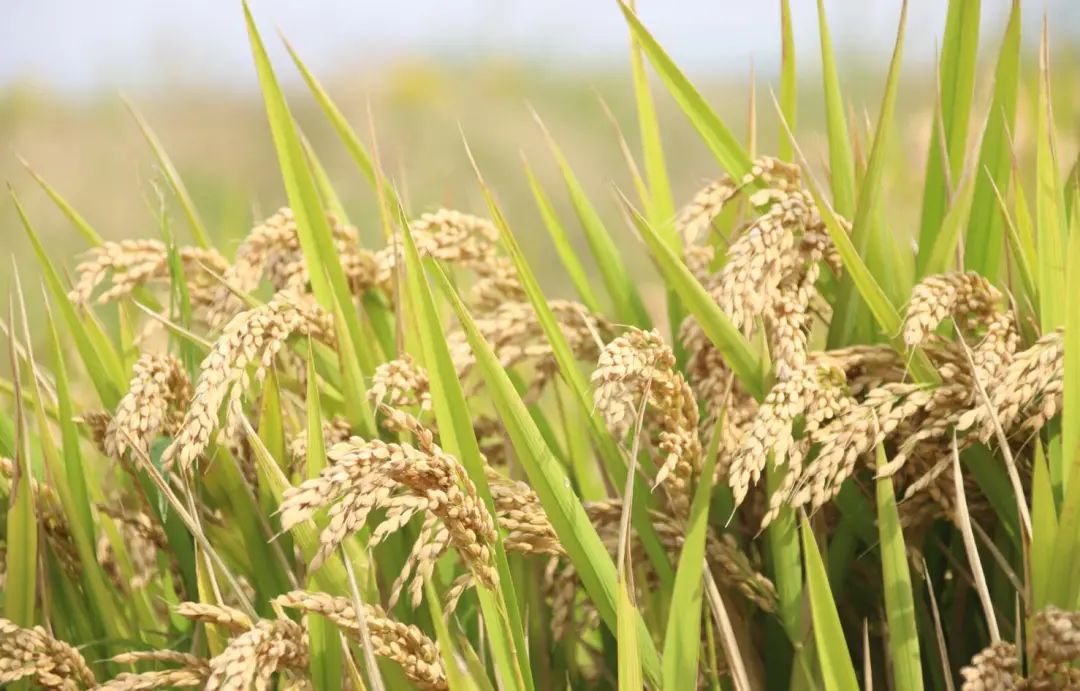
(128, 44)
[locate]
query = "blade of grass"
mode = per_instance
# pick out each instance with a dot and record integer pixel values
(629, 309)
(1044, 533)
(503, 623)
(956, 77)
(629, 661)
(837, 671)
(71, 487)
(1048, 203)
(982, 250)
(789, 94)
(942, 256)
(20, 584)
(345, 132)
(561, 239)
(683, 634)
(323, 183)
(899, 598)
(92, 237)
(734, 348)
(172, 175)
(1070, 418)
(841, 159)
(548, 479)
(313, 229)
(850, 309)
(660, 205)
(721, 142)
(325, 643)
(100, 358)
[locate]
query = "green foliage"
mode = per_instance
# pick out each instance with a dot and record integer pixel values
(785, 580)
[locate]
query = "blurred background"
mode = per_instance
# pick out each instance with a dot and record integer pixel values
(427, 68)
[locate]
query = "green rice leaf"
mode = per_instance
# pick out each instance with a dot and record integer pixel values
(456, 681)
(837, 671)
(353, 370)
(789, 94)
(942, 256)
(659, 204)
(721, 142)
(841, 159)
(629, 660)
(500, 610)
(330, 285)
(682, 639)
(850, 309)
(92, 237)
(621, 288)
(331, 576)
(734, 348)
(561, 239)
(1048, 205)
(98, 354)
(21, 559)
(1070, 417)
(322, 181)
(956, 80)
(1044, 530)
(903, 635)
(982, 250)
(191, 213)
(549, 480)
(344, 130)
(70, 482)
(325, 641)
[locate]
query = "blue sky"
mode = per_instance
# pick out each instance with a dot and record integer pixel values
(125, 44)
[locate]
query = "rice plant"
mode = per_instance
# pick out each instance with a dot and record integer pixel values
(835, 459)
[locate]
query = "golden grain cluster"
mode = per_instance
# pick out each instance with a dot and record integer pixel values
(825, 414)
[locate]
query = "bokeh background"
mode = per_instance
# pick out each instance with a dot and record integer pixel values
(428, 68)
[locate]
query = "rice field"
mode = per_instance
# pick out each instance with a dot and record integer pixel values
(804, 428)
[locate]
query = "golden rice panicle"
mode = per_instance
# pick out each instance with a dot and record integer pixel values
(697, 216)
(32, 653)
(272, 250)
(522, 516)
(638, 369)
(695, 219)
(251, 338)
(815, 393)
(456, 238)
(406, 481)
(192, 671)
(994, 668)
(1025, 393)
(406, 645)
(1056, 635)
(968, 297)
(134, 263)
(158, 393)
(232, 619)
(516, 336)
(748, 285)
(179, 678)
(400, 383)
(252, 658)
